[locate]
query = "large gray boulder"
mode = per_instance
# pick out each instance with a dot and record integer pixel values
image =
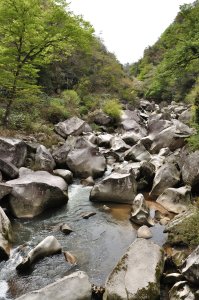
(44, 160)
(102, 119)
(72, 287)
(5, 235)
(137, 153)
(104, 140)
(85, 160)
(13, 151)
(48, 246)
(137, 274)
(176, 200)
(8, 169)
(65, 174)
(190, 170)
(117, 187)
(5, 189)
(191, 268)
(72, 126)
(33, 192)
(140, 212)
(166, 176)
(186, 116)
(61, 153)
(117, 144)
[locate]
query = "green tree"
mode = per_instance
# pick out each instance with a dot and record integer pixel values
(34, 33)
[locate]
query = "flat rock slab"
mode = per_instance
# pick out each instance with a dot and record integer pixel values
(72, 126)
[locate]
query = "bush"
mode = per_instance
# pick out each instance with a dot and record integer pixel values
(71, 101)
(56, 111)
(112, 107)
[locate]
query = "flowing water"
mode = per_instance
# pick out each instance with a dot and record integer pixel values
(97, 242)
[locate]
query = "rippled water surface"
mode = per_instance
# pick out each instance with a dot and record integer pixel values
(97, 242)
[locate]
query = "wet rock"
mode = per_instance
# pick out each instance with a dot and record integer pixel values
(65, 174)
(166, 176)
(137, 274)
(48, 246)
(191, 268)
(72, 126)
(190, 171)
(117, 187)
(33, 192)
(60, 154)
(140, 212)
(117, 144)
(106, 208)
(72, 287)
(175, 200)
(65, 229)
(181, 291)
(44, 160)
(5, 189)
(8, 169)
(13, 151)
(144, 232)
(89, 181)
(137, 153)
(88, 215)
(85, 160)
(70, 258)
(5, 235)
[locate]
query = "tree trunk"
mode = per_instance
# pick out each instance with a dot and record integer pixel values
(5, 119)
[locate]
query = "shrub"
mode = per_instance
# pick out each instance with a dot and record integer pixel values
(71, 101)
(56, 111)
(112, 107)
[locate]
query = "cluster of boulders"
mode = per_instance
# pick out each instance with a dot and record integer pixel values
(147, 152)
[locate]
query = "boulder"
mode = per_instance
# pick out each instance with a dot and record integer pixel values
(117, 144)
(48, 246)
(104, 140)
(8, 169)
(75, 286)
(137, 153)
(33, 192)
(72, 126)
(60, 154)
(166, 176)
(190, 171)
(89, 181)
(116, 187)
(181, 291)
(144, 232)
(5, 235)
(127, 167)
(146, 105)
(137, 274)
(175, 200)
(140, 212)
(13, 151)
(147, 172)
(85, 160)
(5, 189)
(67, 175)
(191, 267)
(102, 119)
(44, 160)
(186, 116)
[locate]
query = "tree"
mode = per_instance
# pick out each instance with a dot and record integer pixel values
(34, 33)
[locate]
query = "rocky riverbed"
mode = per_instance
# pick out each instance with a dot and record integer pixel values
(98, 209)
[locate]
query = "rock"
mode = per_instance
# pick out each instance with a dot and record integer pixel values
(88, 214)
(173, 278)
(175, 200)
(5, 235)
(48, 246)
(8, 169)
(106, 208)
(166, 176)
(60, 154)
(88, 181)
(65, 229)
(140, 212)
(120, 188)
(44, 160)
(69, 257)
(137, 153)
(85, 160)
(127, 167)
(145, 104)
(33, 192)
(104, 140)
(65, 174)
(13, 151)
(5, 189)
(72, 287)
(117, 144)
(181, 291)
(131, 138)
(102, 119)
(72, 126)
(191, 268)
(186, 116)
(190, 171)
(147, 172)
(137, 274)
(91, 137)
(144, 232)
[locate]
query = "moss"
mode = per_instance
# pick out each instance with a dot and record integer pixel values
(151, 292)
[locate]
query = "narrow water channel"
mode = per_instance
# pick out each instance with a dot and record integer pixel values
(97, 242)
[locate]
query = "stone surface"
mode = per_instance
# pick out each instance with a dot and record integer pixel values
(117, 144)
(175, 200)
(191, 268)
(13, 151)
(70, 258)
(166, 176)
(144, 232)
(67, 175)
(137, 153)
(48, 246)
(117, 187)
(89, 181)
(72, 287)
(181, 291)
(8, 169)
(190, 170)
(44, 160)
(65, 229)
(60, 154)
(5, 189)
(5, 235)
(137, 274)
(102, 119)
(72, 126)
(33, 192)
(140, 212)
(104, 140)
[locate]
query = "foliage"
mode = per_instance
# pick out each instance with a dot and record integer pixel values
(112, 108)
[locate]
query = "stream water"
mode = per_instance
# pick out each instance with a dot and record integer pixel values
(97, 242)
